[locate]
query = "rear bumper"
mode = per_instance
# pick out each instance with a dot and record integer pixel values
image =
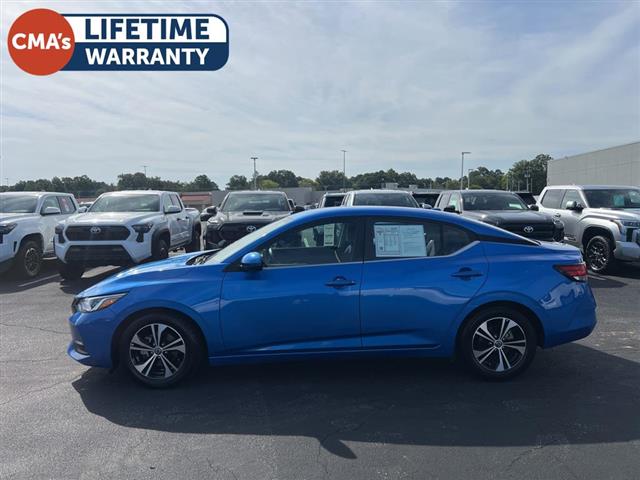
(577, 322)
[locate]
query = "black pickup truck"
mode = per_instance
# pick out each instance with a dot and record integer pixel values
(502, 209)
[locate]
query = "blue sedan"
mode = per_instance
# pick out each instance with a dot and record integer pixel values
(340, 282)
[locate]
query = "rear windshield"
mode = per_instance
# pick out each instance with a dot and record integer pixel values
(126, 203)
(333, 201)
(259, 202)
(492, 201)
(18, 203)
(385, 199)
(613, 198)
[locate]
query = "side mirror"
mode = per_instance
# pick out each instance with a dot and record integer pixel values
(450, 209)
(205, 216)
(534, 207)
(172, 209)
(82, 209)
(51, 211)
(573, 205)
(426, 206)
(211, 210)
(251, 262)
(298, 209)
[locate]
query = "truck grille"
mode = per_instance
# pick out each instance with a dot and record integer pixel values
(99, 233)
(541, 231)
(234, 231)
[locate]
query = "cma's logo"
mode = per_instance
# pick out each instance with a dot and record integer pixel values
(30, 41)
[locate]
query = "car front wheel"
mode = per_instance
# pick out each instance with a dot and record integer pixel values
(599, 254)
(498, 343)
(28, 260)
(160, 349)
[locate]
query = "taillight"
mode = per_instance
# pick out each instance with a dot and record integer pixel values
(576, 272)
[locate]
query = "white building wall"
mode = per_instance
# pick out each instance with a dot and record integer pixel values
(610, 166)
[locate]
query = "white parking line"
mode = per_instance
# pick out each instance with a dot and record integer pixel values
(38, 280)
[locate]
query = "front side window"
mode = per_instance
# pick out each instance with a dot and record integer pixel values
(571, 196)
(320, 244)
(12, 203)
(414, 239)
(454, 201)
(255, 202)
(126, 203)
(444, 200)
(552, 198)
(613, 198)
(493, 201)
(49, 202)
(176, 201)
(66, 204)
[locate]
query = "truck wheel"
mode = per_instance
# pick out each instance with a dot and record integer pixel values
(195, 245)
(160, 249)
(70, 271)
(599, 254)
(28, 260)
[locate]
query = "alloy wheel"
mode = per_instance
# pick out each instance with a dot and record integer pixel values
(157, 351)
(499, 344)
(598, 255)
(31, 261)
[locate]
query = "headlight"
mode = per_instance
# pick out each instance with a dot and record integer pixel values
(6, 228)
(93, 304)
(142, 228)
(622, 224)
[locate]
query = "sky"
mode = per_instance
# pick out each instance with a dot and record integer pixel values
(402, 85)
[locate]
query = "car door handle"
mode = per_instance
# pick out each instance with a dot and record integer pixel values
(466, 273)
(340, 282)
(557, 215)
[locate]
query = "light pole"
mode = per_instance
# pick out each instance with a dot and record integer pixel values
(527, 175)
(255, 173)
(344, 169)
(462, 170)
(145, 169)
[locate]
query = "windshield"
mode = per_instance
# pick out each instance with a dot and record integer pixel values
(333, 200)
(226, 253)
(126, 203)
(18, 203)
(255, 202)
(613, 198)
(385, 199)
(492, 201)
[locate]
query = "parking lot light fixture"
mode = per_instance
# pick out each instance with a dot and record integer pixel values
(344, 170)
(255, 173)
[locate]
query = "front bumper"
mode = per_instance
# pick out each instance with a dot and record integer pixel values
(94, 254)
(8, 247)
(222, 234)
(91, 336)
(629, 250)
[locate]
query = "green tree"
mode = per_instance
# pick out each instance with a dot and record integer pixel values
(267, 184)
(332, 180)
(533, 172)
(307, 182)
(238, 182)
(202, 183)
(284, 178)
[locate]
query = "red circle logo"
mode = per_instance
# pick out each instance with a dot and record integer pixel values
(41, 41)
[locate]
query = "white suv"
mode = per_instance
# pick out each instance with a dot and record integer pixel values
(123, 228)
(27, 223)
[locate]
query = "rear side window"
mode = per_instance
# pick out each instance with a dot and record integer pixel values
(388, 239)
(66, 204)
(552, 198)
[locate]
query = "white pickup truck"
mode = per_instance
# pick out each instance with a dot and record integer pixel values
(124, 228)
(27, 223)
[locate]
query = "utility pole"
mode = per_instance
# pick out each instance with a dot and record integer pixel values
(255, 173)
(145, 169)
(462, 170)
(344, 170)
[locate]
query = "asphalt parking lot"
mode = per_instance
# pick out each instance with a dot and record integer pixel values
(574, 414)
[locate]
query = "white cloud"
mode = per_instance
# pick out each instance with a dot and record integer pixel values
(405, 87)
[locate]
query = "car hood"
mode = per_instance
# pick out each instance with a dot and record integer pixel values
(162, 272)
(499, 217)
(117, 218)
(15, 217)
(249, 217)
(617, 213)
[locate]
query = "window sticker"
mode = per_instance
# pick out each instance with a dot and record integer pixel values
(399, 240)
(329, 234)
(618, 200)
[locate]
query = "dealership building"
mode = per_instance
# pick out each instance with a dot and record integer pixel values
(610, 166)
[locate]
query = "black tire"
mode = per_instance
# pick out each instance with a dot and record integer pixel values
(160, 249)
(599, 254)
(70, 271)
(28, 261)
(513, 340)
(149, 367)
(195, 244)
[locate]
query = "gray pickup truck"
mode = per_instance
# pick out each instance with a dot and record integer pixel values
(603, 221)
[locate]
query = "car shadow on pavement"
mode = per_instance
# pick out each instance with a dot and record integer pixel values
(571, 395)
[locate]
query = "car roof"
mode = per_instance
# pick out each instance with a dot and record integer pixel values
(34, 194)
(357, 192)
(588, 187)
(137, 192)
(255, 192)
(334, 194)
(479, 190)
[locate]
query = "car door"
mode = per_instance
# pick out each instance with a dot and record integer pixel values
(304, 299)
(570, 218)
(416, 278)
(175, 228)
(48, 222)
(67, 208)
(184, 220)
(551, 202)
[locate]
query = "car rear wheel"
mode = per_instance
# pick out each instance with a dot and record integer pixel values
(498, 343)
(28, 260)
(70, 271)
(160, 349)
(599, 254)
